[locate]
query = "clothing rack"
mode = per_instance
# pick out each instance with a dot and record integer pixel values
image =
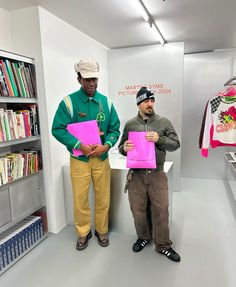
(231, 82)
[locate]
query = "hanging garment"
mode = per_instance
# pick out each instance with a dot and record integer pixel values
(219, 122)
(228, 92)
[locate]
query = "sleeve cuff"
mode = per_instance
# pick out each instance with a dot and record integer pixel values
(108, 143)
(77, 145)
(204, 152)
(161, 141)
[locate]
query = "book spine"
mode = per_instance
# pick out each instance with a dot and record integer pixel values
(7, 128)
(22, 71)
(3, 82)
(17, 81)
(4, 69)
(12, 79)
(20, 80)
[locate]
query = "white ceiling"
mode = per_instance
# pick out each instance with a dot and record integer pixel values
(203, 25)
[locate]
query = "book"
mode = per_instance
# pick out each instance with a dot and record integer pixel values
(7, 78)
(12, 124)
(23, 76)
(7, 127)
(20, 124)
(26, 118)
(29, 81)
(3, 86)
(22, 88)
(12, 79)
(33, 79)
(17, 80)
(3, 124)
(86, 132)
(1, 132)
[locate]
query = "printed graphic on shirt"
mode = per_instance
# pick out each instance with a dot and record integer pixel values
(224, 121)
(227, 119)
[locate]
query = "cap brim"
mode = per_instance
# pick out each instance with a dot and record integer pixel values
(88, 75)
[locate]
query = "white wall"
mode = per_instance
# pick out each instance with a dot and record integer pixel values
(161, 69)
(204, 76)
(56, 45)
(5, 30)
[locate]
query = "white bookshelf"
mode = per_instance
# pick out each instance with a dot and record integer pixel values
(24, 196)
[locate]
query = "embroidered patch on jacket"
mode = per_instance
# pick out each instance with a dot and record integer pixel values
(82, 115)
(100, 117)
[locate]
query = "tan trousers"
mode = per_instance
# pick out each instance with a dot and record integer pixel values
(82, 173)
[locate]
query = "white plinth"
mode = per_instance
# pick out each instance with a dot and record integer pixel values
(121, 219)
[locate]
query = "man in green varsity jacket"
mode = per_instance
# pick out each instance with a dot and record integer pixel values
(84, 105)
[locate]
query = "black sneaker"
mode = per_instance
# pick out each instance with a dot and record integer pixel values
(139, 244)
(170, 254)
(82, 241)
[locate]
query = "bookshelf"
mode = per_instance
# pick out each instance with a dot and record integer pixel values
(23, 220)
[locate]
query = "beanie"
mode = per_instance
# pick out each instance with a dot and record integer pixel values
(144, 94)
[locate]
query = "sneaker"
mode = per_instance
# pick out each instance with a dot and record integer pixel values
(170, 254)
(103, 239)
(139, 244)
(82, 241)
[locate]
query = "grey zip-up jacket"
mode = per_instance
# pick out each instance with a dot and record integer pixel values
(168, 139)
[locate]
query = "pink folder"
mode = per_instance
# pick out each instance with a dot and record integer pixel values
(143, 155)
(86, 132)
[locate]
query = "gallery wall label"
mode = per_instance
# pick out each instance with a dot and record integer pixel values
(157, 89)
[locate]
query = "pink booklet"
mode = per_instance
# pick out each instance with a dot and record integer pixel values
(86, 132)
(143, 155)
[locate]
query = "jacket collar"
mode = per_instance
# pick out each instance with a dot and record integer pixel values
(149, 119)
(86, 98)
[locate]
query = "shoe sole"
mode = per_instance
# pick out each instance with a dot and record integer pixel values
(86, 245)
(102, 244)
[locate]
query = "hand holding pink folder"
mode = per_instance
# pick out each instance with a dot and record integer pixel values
(143, 155)
(86, 132)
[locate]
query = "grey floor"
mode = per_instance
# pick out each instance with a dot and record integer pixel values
(203, 230)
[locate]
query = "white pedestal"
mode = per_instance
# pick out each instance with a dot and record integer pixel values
(121, 219)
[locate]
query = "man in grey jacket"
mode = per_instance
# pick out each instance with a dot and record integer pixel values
(148, 188)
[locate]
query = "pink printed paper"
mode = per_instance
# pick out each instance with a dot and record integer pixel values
(86, 132)
(143, 155)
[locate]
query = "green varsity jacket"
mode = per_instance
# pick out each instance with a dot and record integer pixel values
(78, 107)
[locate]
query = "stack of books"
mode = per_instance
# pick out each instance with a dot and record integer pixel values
(18, 239)
(17, 165)
(17, 79)
(17, 124)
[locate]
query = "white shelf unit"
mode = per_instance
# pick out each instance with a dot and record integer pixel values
(24, 196)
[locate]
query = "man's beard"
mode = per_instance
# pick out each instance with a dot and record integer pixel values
(149, 113)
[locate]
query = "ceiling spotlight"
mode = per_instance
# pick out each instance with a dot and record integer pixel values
(143, 11)
(148, 18)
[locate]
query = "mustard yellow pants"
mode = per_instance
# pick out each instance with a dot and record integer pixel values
(82, 173)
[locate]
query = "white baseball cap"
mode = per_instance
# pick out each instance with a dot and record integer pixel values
(87, 68)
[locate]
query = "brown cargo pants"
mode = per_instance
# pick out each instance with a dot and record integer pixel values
(149, 189)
